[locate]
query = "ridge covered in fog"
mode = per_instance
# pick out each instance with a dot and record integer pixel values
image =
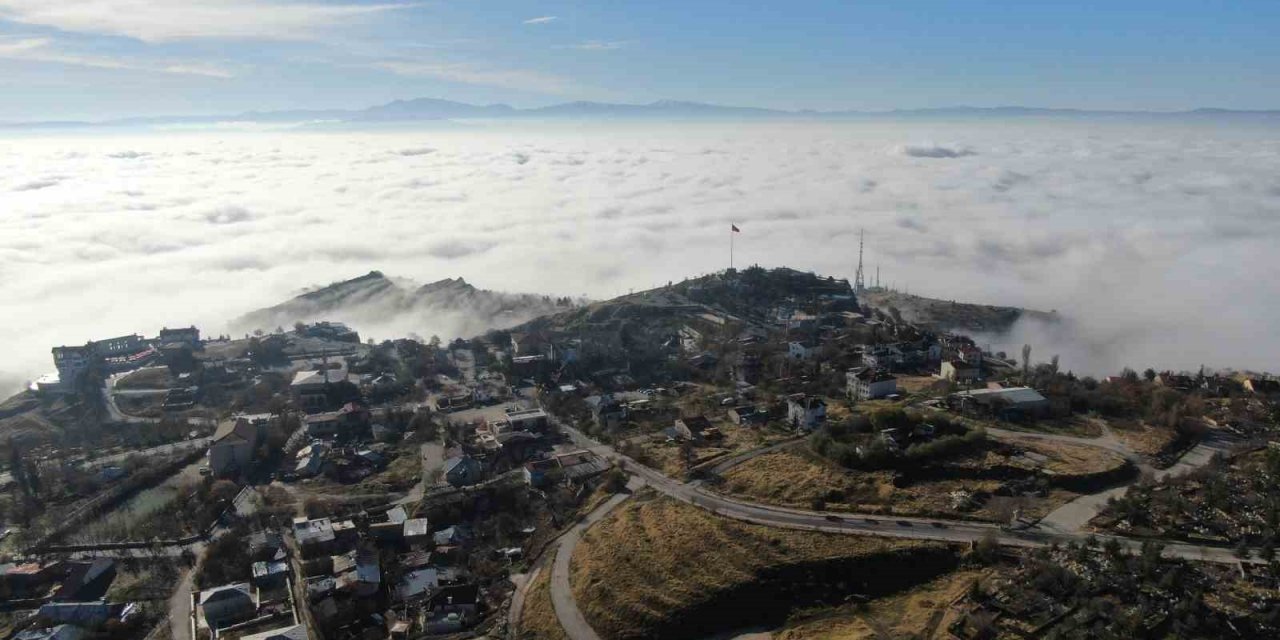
(374, 302)
(419, 109)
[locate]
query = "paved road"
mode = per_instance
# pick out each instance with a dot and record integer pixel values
(869, 524)
(109, 396)
(566, 607)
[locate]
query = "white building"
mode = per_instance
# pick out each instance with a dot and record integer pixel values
(870, 384)
(959, 371)
(802, 350)
(806, 412)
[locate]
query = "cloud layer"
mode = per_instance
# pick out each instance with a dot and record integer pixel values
(1157, 239)
(168, 20)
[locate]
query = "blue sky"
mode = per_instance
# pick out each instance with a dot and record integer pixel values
(112, 58)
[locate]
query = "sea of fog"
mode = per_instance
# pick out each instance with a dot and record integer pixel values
(1159, 240)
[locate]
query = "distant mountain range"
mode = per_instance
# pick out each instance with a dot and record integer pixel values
(427, 109)
(377, 305)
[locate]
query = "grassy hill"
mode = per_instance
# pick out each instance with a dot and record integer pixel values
(658, 568)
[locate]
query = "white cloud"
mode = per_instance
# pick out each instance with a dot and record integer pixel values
(44, 50)
(541, 20)
(516, 79)
(167, 20)
(598, 45)
(148, 230)
(935, 151)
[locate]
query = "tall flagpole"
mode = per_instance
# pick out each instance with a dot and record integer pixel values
(731, 246)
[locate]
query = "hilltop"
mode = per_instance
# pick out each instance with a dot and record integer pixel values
(751, 296)
(450, 306)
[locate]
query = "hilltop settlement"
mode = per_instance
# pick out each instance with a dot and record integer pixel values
(754, 449)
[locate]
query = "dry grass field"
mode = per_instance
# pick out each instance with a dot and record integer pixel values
(667, 457)
(800, 480)
(1142, 437)
(538, 619)
(660, 568)
(923, 612)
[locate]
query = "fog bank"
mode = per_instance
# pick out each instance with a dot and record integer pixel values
(1157, 240)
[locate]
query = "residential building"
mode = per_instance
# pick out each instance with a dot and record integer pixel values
(870, 384)
(959, 371)
(453, 607)
(417, 583)
(295, 632)
(803, 350)
(336, 331)
(71, 363)
(319, 425)
(233, 446)
(313, 536)
(311, 390)
(580, 465)
(86, 615)
(311, 459)
(268, 575)
(806, 412)
(189, 336)
(228, 604)
(747, 415)
(450, 536)
(118, 347)
(527, 419)
(85, 581)
(538, 472)
(1181, 382)
(461, 471)
(27, 580)
(606, 411)
(695, 428)
(417, 531)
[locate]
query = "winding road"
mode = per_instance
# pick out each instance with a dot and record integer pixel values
(1061, 530)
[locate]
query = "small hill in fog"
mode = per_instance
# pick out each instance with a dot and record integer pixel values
(393, 307)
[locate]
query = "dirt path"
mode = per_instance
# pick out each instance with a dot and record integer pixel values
(180, 607)
(432, 455)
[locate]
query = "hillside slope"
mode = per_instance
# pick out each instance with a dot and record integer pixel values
(948, 315)
(657, 568)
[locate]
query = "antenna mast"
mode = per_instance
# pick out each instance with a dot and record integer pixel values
(858, 284)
